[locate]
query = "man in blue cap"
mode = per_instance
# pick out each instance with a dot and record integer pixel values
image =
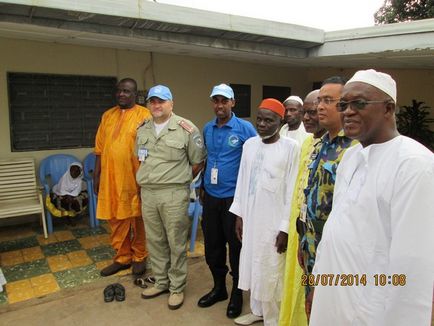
(171, 152)
(224, 138)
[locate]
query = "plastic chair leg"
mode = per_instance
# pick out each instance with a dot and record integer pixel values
(194, 226)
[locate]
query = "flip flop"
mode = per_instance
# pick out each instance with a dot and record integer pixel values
(109, 293)
(119, 292)
(140, 281)
(150, 279)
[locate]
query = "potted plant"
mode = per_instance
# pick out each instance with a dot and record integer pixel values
(413, 121)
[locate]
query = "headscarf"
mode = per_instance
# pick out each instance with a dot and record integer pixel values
(68, 185)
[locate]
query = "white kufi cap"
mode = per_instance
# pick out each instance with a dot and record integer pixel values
(377, 79)
(294, 98)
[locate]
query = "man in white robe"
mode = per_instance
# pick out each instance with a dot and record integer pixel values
(262, 204)
(294, 127)
(379, 235)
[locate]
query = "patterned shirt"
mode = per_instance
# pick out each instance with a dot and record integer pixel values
(319, 191)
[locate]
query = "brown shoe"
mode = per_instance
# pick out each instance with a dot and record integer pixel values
(175, 300)
(113, 269)
(139, 267)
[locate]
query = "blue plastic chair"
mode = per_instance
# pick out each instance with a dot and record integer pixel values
(51, 169)
(194, 212)
(89, 168)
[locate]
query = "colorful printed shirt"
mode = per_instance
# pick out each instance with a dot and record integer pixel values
(319, 191)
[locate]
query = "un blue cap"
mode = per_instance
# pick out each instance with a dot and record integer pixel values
(223, 90)
(160, 91)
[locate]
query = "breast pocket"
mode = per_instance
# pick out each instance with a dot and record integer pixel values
(176, 149)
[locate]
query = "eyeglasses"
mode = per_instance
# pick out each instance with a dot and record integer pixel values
(326, 100)
(310, 113)
(356, 104)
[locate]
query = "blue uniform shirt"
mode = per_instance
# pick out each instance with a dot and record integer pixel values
(224, 147)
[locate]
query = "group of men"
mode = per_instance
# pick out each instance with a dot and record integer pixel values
(334, 192)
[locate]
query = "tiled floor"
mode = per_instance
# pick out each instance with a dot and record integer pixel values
(73, 255)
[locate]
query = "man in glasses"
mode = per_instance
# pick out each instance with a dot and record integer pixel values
(292, 308)
(379, 232)
(321, 178)
(224, 138)
(294, 128)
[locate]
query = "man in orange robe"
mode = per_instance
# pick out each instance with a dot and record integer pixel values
(115, 179)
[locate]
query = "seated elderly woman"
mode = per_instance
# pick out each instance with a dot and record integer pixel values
(68, 197)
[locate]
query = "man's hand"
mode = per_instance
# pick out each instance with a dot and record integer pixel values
(281, 242)
(239, 228)
(300, 258)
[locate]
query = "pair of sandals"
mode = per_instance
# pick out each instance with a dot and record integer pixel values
(141, 281)
(114, 291)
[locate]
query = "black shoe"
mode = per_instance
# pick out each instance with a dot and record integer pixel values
(113, 269)
(119, 292)
(217, 294)
(235, 304)
(109, 293)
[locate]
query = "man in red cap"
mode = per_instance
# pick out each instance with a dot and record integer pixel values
(262, 200)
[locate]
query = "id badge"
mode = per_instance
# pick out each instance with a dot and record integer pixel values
(142, 154)
(303, 213)
(214, 175)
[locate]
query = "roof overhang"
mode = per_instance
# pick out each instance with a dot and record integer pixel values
(148, 26)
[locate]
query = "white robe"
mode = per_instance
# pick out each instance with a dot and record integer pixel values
(262, 199)
(299, 135)
(382, 222)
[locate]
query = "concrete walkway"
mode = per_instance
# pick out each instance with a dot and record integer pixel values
(85, 305)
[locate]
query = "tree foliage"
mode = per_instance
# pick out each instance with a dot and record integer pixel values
(395, 11)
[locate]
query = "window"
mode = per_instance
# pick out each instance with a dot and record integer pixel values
(280, 93)
(56, 111)
(242, 100)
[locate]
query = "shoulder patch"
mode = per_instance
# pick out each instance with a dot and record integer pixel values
(186, 126)
(142, 123)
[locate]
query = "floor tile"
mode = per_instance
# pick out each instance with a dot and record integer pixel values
(18, 286)
(101, 253)
(103, 263)
(16, 244)
(30, 254)
(3, 297)
(26, 270)
(64, 235)
(10, 258)
(60, 248)
(86, 232)
(59, 263)
(42, 241)
(19, 291)
(89, 242)
(77, 276)
(79, 258)
(199, 250)
(104, 239)
(44, 284)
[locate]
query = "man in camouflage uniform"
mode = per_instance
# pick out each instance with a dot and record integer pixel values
(170, 149)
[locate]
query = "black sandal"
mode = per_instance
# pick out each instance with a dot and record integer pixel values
(140, 281)
(119, 292)
(109, 293)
